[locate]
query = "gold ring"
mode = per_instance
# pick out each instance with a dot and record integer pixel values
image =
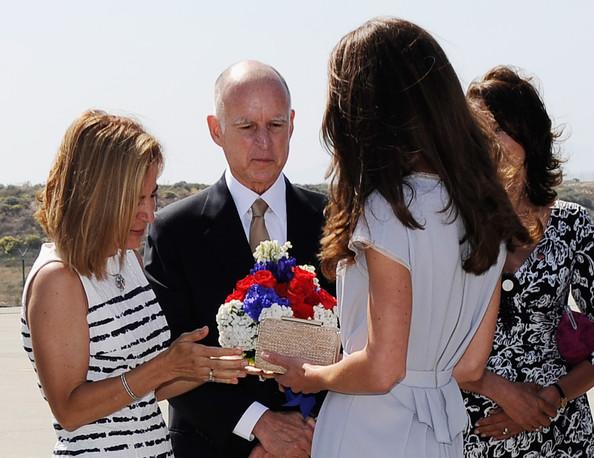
(211, 376)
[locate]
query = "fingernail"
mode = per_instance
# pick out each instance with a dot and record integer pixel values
(265, 354)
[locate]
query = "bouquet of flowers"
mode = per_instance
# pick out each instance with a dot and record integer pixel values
(275, 288)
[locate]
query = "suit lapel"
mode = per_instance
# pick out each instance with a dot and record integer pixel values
(229, 248)
(225, 235)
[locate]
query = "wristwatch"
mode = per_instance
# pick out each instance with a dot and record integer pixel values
(564, 399)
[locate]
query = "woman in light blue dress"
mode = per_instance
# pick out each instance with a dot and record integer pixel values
(416, 229)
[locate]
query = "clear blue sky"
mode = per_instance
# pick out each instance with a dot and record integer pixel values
(158, 60)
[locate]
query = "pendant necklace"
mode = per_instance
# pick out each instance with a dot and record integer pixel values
(120, 281)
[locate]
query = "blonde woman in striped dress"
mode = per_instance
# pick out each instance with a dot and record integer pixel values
(91, 325)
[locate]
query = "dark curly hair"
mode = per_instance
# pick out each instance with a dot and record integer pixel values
(519, 110)
(395, 106)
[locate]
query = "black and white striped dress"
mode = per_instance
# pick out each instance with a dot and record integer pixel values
(126, 328)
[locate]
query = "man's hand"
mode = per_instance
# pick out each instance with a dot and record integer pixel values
(283, 434)
(259, 452)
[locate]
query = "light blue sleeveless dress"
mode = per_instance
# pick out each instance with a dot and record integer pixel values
(423, 416)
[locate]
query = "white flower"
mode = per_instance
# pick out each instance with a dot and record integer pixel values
(309, 268)
(271, 250)
(236, 328)
(327, 317)
(275, 311)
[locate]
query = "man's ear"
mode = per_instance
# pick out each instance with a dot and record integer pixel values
(291, 125)
(214, 127)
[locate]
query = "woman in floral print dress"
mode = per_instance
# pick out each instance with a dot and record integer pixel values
(530, 402)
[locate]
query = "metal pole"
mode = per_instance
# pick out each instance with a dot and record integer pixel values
(23, 253)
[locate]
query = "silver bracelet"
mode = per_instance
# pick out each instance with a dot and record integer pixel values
(127, 387)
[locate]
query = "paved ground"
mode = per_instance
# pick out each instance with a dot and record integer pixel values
(25, 422)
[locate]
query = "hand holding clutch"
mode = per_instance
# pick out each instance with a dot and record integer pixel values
(297, 374)
(306, 340)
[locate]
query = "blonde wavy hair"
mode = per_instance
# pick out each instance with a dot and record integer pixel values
(93, 188)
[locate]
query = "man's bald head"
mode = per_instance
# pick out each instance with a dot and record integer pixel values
(253, 123)
(242, 73)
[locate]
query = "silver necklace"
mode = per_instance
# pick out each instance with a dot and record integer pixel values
(120, 281)
(118, 278)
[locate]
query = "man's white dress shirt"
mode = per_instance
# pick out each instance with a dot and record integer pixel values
(275, 219)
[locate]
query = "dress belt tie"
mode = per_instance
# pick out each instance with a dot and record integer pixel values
(426, 379)
(434, 399)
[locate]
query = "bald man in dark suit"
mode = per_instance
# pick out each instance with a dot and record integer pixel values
(199, 247)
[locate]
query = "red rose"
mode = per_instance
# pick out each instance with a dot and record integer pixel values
(302, 293)
(265, 278)
(244, 284)
(302, 274)
(298, 295)
(282, 289)
(302, 282)
(327, 300)
(237, 295)
(302, 309)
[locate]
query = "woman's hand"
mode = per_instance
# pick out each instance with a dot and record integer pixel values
(296, 375)
(57, 316)
(189, 360)
(522, 409)
(525, 407)
(498, 425)
(551, 395)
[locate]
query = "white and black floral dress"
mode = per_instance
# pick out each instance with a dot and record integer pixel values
(525, 350)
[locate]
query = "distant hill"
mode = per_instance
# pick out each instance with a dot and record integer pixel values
(19, 230)
(21, 236)
(581, 192)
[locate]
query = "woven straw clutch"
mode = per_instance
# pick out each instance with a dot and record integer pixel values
(305, 339)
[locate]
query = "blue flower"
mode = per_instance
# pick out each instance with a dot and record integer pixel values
(281, 269)
(259, 297)
(284, 270)
(260, 266)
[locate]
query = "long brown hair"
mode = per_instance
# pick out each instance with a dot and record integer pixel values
(395, 106)
(515, 105)
(93, 188)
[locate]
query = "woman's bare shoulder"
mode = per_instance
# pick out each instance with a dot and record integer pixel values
(54, 286)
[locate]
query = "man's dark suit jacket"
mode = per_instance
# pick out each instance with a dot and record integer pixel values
(196, 251)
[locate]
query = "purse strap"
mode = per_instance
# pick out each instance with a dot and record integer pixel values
(569, 313)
